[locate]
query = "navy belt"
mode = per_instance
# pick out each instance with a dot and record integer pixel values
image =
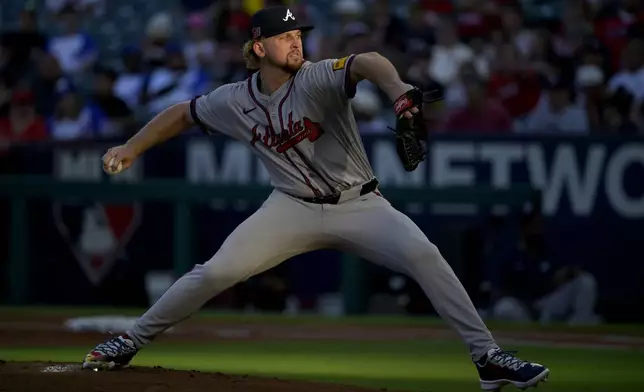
(337, 197)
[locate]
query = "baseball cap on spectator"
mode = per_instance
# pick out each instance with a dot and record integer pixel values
(272, 21)
(159, 26)
(589, 76)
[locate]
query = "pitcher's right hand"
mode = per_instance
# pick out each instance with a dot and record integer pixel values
(118, 158)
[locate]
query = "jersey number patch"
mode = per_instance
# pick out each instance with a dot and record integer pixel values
(340, 63)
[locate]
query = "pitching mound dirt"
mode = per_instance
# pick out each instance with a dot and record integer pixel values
(50, 377)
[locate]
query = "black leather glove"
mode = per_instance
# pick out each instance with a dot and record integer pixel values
(411, 133)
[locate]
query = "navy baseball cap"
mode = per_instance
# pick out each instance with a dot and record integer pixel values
(275, 20)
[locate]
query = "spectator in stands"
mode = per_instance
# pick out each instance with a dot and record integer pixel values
(618, 22)
(514, 29)
(417, 62)
(49, 83)
(18, 46)
(388, 29)
(200, 50)
(456, 92)
(231, 22)
(542, 57)
(171, 83)
(570, 40)
(589, 82)
(119, 118)
(418, 33)
(158, 35)
(529, 285)
(75, 119)
(514, 84)
(629, 81)
(520, 47)
(475, 18)
(22, 122)
(481, 115)
(448, 55)
(129, 83)
(556, 113)
(75, 50)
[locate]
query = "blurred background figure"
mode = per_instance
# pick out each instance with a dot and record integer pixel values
(158, 35)
(200, 50)
(531, 286)
(118, 116)
(557, 112)
(74, 118)
(22, 122)
(74, 49)
(128, 85)
(17, 46)
(480, 114)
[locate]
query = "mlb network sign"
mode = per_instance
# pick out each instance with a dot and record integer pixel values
(576, 176)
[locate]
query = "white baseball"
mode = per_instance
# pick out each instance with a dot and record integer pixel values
(118, 169)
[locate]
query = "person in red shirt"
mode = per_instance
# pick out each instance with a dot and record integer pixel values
(22, 124)
(481, 114)
(513, 83)
(617, 24)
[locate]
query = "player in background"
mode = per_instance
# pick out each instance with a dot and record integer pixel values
(296, 116)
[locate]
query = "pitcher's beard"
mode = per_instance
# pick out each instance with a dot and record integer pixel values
(289, 66)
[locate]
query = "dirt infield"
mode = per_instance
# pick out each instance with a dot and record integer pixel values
(31, 331)
(45, 377)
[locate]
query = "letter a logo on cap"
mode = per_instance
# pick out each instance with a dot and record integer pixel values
(288, 15)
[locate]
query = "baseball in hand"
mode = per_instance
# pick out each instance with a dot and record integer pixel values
(112, 169)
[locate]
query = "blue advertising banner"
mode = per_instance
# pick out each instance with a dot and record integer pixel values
(592, 190)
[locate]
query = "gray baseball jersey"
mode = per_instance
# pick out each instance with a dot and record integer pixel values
(306, 135)
(304, 132)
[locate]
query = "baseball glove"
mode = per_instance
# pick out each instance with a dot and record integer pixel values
(411, 133)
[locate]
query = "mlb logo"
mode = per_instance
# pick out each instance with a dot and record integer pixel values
(97, 234)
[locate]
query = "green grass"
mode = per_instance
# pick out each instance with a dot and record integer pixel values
(402, 366)
(616, 329)
(421, 365)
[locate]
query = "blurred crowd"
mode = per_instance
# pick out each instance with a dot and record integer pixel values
(504, 66)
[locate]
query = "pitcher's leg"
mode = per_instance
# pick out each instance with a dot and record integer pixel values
(373, 229)
(280, 229)
(230, 265)
(381, 234)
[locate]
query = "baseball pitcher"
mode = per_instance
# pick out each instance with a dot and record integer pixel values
(296, 116)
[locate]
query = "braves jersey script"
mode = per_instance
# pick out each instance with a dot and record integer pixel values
(305, 132)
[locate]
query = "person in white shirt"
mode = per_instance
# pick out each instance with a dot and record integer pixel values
(557, 114)
(631, 76)
(129, 83)
(75, 51)
(74, 119)
(448, 55)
